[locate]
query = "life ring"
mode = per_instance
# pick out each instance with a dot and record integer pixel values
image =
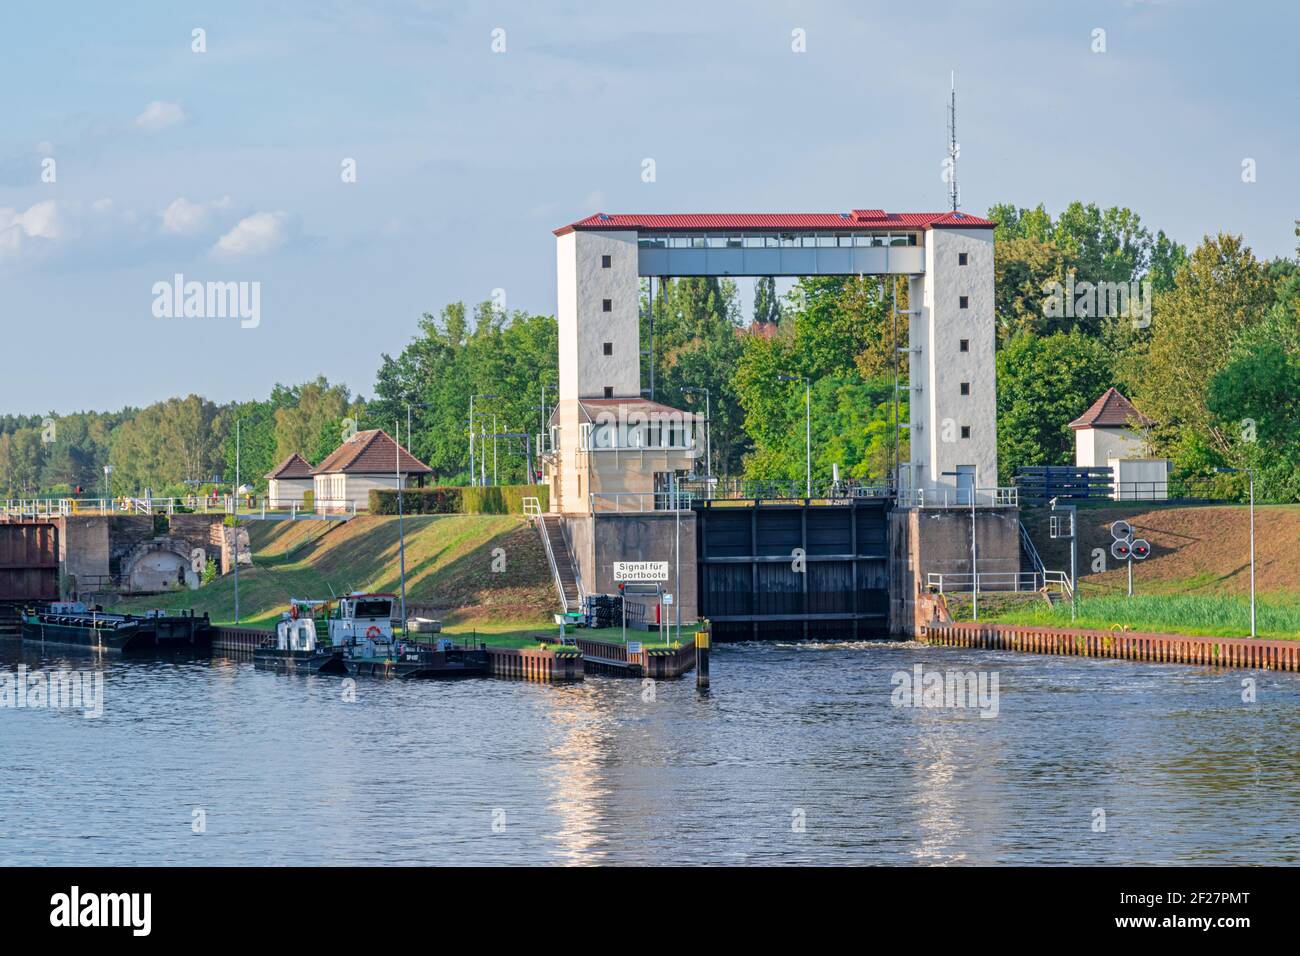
(373, 631)
(293, 612)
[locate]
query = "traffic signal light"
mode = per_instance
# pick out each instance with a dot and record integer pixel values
(1121, 550)
(1120, 530)
(1141, 548)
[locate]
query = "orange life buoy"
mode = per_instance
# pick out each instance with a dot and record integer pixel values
(293, 611)
(373, 631)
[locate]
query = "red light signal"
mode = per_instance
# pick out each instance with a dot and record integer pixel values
(1121, 550)
(1141, 548)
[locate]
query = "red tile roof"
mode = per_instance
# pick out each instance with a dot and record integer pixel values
(1112, 410)
(858, 220)
(371, 452)
(295, 466)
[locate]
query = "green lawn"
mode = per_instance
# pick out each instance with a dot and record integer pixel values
(1277, 616)
(449, 564)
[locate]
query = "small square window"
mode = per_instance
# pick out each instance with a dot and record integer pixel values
(605, 261)
(965, 345)
(965, 431)
(609, 393)
(965, 388)
(607, 305)
(962, 302)
(961, 258)
(609, 348)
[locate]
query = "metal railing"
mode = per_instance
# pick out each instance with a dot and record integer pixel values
(762, 490)
(540, 520)
(1003, 581)
(638, 501)
(944, 497)
(532, 507)
(1028, 544)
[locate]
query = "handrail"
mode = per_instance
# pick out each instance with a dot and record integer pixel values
(540, 520)
(1032, 551)
(947, 497)
(988, 581)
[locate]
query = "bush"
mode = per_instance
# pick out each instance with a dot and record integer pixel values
(309, 500)
(416, 501)
(495, 500)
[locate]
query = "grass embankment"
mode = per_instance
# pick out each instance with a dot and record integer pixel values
(449, 568)
(449, 561)
(1277, 616)
(1196, 581)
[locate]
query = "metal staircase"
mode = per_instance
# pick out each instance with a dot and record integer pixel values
(563, 571)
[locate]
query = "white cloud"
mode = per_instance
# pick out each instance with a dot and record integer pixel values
(159, 115)
(253, 235)
(44, 220)
(186, 218)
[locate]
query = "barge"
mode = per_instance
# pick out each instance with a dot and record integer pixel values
(74, 625)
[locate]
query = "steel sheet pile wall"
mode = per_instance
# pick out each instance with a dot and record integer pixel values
(29, 561)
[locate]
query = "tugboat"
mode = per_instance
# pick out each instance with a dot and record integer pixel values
(73, 624)
(297, 649)
(362, 626)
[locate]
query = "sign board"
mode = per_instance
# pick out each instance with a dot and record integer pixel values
(668, 599)
(634, 647)
(638, 571)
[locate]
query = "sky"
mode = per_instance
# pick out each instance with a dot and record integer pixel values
(476, 129)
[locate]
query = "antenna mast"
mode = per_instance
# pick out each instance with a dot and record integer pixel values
(954, 150)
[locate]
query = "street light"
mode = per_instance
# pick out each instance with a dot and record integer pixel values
(1250, 472)
(409, 406)
(974, 568)
(807, 397)
(708, 428)
(472, 479)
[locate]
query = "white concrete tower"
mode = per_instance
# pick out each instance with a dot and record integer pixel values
(951, 362)
(598, 312)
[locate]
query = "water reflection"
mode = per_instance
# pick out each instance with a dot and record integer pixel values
(795, 756)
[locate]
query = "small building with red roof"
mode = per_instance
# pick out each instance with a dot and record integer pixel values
(366, 461)
(289, 481)
(1110, 435)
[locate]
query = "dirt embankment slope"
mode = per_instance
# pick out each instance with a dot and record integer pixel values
(1194, 550)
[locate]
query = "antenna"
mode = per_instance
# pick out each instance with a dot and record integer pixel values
(954, 149)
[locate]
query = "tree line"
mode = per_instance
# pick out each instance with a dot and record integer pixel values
(1209, 349)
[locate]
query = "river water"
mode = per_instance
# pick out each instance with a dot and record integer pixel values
(797, 755)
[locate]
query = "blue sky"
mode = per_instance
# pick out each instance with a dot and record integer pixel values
(225, 165)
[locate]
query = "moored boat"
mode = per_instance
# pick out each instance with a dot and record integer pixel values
(296, 648)
(362, 625)
(73, 624)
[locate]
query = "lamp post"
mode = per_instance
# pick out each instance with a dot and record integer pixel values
(401, 532)
(235, 526)
(1250, 473)
(974, 567)
(472, 471)
(807, 397)
(708, 428)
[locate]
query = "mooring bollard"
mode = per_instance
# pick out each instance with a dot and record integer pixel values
(702, 660)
